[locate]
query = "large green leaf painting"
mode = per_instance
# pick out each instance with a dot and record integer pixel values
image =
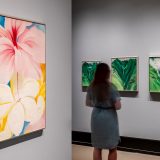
(88, 71)
(124, 73)
(154, 74)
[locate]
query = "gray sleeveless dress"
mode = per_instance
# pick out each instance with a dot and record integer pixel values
(104, 120)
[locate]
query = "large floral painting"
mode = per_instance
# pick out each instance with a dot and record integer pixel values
(22, 77)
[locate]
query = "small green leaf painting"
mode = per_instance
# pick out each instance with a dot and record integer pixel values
(154, 74)
(124, 73)
(88, 71)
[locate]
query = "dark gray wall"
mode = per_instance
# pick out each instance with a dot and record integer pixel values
(55, 142)
(109, 28)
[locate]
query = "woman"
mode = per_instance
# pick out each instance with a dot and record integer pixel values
(105, 100)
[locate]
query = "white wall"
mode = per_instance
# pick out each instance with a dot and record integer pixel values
(55, 142)
(108, 28)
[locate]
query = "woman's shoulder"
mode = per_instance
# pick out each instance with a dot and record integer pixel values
(102, 85)
(89, 88)
(113, 87)
(114, 91)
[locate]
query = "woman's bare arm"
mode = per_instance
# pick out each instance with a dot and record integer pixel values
(89, 101)
(117, 105)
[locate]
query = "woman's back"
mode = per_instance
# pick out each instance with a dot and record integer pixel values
(103, 95)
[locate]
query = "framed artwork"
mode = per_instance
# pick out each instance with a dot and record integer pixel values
(154, 74)
(88, 71)
(22, 77)
(124, 73)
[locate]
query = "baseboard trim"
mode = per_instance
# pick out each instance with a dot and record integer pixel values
(128, 144)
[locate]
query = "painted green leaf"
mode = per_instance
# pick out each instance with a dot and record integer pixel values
(124, 74)
(88, 71)
(154, 79)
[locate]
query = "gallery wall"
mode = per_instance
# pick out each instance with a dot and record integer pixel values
(103, 29)
(56, 14)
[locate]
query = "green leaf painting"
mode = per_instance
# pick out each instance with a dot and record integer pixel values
(154, 74)
(88, 71)
(124, 73)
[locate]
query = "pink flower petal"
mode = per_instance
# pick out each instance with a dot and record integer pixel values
(6, 69)
(5, 33)
(21, 50)
(32, 41)
(2, 32)
(26, 66)
(14, 26)
(6, 60)
(6, 44)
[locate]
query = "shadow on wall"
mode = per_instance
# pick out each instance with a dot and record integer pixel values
(101, 4)
(155, 97)
(128, 94)
(16, 140)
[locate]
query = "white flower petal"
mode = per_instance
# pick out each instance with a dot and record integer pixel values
(30, 88)
(16, 119)
(32, 112)
(5, 94)
(4, 109)
(6, 134)
(40, 105)
(30, 108)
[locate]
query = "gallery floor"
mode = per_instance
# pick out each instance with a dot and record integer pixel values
(85, 153)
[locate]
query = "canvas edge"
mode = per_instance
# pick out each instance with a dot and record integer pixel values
(23, 19)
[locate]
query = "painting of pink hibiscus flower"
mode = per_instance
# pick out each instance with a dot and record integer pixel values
(22, 50)
(22, 77)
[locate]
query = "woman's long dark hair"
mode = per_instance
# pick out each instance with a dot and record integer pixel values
(101, 79)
